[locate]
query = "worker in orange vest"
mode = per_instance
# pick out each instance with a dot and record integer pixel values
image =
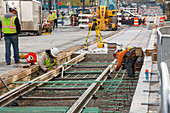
(128, 58)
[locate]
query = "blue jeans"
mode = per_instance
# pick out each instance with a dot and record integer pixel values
(62, 21)
(14, 41)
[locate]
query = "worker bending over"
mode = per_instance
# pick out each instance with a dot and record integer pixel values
(128, 58)
(48, 59)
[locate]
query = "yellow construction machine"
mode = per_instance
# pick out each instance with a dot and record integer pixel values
(106, 15)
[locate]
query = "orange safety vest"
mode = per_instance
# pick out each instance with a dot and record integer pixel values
(120, 56)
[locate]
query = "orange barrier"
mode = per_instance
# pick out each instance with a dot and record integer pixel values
(136, 21)
(48, 22)
(145, 20)
(73, 21)
(162, 20)
(88, 20)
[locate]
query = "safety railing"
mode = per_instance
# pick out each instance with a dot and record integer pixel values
(163, 45)
(163, 41)
(165, 86)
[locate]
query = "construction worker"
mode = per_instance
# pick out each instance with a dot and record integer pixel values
(51, 19)
(71, 20)
(10, 26)
(48, 59)
(62, 17)
(55, 19)
(128, 57)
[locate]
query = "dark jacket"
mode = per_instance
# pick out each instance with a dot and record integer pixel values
(18, 27)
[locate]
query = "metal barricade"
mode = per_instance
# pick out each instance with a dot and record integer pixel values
(84, 20)
(163, 41)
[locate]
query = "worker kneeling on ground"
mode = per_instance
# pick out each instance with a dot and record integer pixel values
(128, 57)
(48, 59)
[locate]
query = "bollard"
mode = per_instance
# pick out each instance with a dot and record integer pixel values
(87, 20)
(73, 21)
(162, 19)
(147, 74)
(136, 21)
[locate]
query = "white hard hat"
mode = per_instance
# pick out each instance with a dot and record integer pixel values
(14, 8)
(54, 52)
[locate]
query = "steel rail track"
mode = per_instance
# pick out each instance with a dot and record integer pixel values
(82, 101)
(23, 89)
(86, 97)
(88, 94)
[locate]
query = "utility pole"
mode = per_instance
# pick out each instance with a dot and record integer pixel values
(49, 5)
(83, 4)
(163, 7)
(56, 1)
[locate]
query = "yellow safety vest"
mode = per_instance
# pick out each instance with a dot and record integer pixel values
(55, 15)
(47, 62)
(8, 25)
(51, 17)
(62, 16)
(71, 13)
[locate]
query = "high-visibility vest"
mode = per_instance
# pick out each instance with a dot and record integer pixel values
(55, 15)
(51, 17)
(62, 16)
(47, 62)
(120, 55)
(71, 13)
(8, 25)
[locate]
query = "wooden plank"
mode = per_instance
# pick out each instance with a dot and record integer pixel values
(20, 75)
(50, 98)
(23, 89)
(61, 88)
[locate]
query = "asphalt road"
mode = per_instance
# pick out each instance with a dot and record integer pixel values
(62, 38)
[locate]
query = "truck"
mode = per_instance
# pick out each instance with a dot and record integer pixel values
(29, 14)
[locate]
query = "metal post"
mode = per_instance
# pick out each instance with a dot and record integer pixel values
(83, 4)
(56, 1)
(5, 84)
(49, 5)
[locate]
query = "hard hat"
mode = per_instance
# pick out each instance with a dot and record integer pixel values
(54, 52)
(14, 8)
